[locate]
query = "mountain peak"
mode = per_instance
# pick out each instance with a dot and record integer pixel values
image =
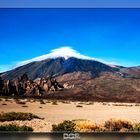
(65, 52)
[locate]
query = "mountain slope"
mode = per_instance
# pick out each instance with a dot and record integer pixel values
(59, 66)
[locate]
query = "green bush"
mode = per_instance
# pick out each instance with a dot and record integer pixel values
(15, 128)
(136, 127)
(65, 126)
(11, 116)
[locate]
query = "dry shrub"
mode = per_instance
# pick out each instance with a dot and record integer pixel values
(118, 125)
(101, 127)
(24, 106)
(42, 102)
(54, 103)
(4, 104)
(79, 106)
(126, 105)
(85, 126)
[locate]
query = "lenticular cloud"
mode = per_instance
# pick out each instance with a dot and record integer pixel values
(65, 52)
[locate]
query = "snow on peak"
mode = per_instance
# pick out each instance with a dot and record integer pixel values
(65, 52)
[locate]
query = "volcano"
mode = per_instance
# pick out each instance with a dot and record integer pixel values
(59, 62)
(90, 78)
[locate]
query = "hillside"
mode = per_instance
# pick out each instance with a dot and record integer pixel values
(106, 87)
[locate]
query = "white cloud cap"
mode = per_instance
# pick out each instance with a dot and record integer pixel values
(65, 52)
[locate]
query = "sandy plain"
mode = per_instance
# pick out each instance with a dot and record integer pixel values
(55, 112)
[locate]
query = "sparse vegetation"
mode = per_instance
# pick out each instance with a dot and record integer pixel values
(126, 105)
(11, 116)
(112, 125)
(15, 128)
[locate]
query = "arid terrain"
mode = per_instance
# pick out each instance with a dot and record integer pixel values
(55, 112)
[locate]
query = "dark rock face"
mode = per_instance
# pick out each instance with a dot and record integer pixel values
(59, 66)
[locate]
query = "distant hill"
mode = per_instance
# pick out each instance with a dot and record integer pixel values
(133, 72)
(106, 87)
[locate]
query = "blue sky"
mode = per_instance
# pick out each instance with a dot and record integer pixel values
(109, 34)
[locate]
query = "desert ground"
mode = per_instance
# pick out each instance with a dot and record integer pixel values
(55, 112)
